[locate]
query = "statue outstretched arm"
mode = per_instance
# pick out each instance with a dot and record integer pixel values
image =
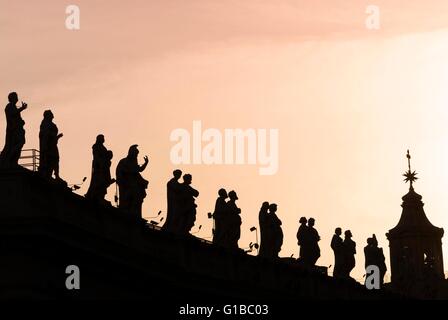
(23, 107)
(143, 166)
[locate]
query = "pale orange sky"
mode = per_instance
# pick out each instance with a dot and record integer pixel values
(347, 101)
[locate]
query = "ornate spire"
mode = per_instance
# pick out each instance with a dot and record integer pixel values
(410, 176)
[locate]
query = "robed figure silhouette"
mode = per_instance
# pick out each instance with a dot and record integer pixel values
(380, 259)
(101, 178)
(219, 216)
(15, 133)
(173, 189)
(337, 246)
(132, 186)
(375, 256)
(265, 233)
(308, 238)
(314, 250)
(271, 231)
(302, 237)
(349, 250)
(187, 205)
(232, 222)
(48, 144)
(277, 230)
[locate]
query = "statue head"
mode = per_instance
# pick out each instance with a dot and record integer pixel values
(338, 231)
(48, 115)
(100, 139)
(133, 151)
(188, 178)
(177, 173)
(302, 220)
(232, 195)
(222, 193)
(265, 206)
(13, 98)
(273, 207)
(311, 222)
(348, 234)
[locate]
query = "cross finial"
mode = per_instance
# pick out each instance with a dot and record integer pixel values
(410, 176)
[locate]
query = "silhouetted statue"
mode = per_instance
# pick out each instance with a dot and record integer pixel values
(381, 260)
(173, 189)
(233, 222)
(369, 254)
(15, 133)
(187, 205)
(265, 232)
(48, 145)
(277, 230)
(132, 186)
(308, 239)
(271, 231)
(337, 246)
(302, 237)
(375, 256)
(314, 238)
(219, 216)
(101, 178)
(349, 249)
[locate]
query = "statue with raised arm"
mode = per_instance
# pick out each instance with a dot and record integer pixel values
(101, 178)
(15, 133)
(48, 145)
(132, 186)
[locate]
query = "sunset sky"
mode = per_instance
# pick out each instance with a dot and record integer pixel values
(347, 101)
